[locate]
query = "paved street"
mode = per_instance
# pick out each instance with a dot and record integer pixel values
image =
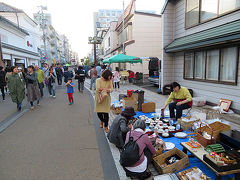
(54, 141)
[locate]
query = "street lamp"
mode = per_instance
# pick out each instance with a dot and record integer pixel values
(94, 40)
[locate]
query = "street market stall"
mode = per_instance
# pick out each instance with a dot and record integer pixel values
(197, 147)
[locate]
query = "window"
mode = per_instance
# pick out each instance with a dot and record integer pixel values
(199, 11)
(199, 69)
(113, 13)
(228, 5)
(228, 64)
(189, 59)
(192, 12)
(108, 13)
(212, 65)
(209, 9)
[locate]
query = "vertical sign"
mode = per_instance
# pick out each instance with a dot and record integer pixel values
(1, 56)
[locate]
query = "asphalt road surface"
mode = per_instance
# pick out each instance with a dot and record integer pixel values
(57, 141)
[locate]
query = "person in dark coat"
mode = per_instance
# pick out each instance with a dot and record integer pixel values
(16, 86)
(120, 127)
(80, 76)
(2, 82)
(33, 92)
(67, 74)
(59, 73)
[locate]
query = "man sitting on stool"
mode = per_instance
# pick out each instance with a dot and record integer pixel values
(181, 98)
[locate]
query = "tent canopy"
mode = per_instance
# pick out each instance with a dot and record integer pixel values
(122, 58)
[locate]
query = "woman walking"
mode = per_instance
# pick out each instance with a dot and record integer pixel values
(116, 79)
(16, 86)
(33, 92)
(104, 87)
(52, 83)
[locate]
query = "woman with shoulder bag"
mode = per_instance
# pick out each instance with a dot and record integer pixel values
(104, 87)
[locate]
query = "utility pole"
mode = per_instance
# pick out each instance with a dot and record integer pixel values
(43, 26)
(123, 29)
(94, 40)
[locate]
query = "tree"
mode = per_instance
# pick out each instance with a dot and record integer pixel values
(87, 61)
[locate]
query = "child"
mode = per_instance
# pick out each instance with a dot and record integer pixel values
(70, 90)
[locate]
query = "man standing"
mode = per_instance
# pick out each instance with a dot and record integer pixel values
(93, 76)
(59, 73)
(99, 70)
(80, 76)
(40, 77)
(2, 82)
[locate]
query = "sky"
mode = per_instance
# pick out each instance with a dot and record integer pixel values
(74, 18)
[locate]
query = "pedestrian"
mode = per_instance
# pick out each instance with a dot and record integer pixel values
(16, 86)
(109, 67)
(20, 71)
(131, 76)
(104, 87)
(40, 77)
(33, 93)
(93, 76)
(182, 99)
(116, 79)
(46, 72)
(67, 74)
(99, 70)
(80, 76)
(86, 70)
(2, 82)
(59, 73)
(9, 72)
(120, 126)
(146, 151)
(70, 91)
(52, 83)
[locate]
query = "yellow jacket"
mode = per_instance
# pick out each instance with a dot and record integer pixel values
(183, 93)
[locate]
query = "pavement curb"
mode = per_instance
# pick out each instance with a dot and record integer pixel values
(114, 150)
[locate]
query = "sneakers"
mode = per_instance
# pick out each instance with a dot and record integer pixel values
(54, 97)
(38, 103)
(50, 95)
(69, 103)
(72, 102)
(32, 108)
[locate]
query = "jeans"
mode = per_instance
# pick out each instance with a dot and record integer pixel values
(59, 79)
(104, 117)
(3, 93)
(41, 86)
(179, 109)
(51, 90)
(80, 86)
(93, 83)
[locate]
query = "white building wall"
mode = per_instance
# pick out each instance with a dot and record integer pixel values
(146, 31)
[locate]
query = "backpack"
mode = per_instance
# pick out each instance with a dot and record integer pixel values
(130, 154)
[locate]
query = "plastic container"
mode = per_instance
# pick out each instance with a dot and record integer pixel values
(199, 101)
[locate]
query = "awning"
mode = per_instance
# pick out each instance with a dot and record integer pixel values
(122, 58)
(217, 35)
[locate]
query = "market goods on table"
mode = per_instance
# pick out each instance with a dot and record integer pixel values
(181, 135)
(218, 148)
(192, 174)
(203, 138)
(215, 128)
(187, 122)
(169, 176)
(162, 166)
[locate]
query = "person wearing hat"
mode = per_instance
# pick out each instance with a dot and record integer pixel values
(120, 126)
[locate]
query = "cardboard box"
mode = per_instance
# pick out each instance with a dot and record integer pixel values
(148, 107)
(135, 96)
(160, 160)
(131, 102)
(187, 125)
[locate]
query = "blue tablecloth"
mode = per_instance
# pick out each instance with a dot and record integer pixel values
(193, 160)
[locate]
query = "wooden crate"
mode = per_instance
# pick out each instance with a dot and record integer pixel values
(182, 175)
(217, 128)
(160, 160)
